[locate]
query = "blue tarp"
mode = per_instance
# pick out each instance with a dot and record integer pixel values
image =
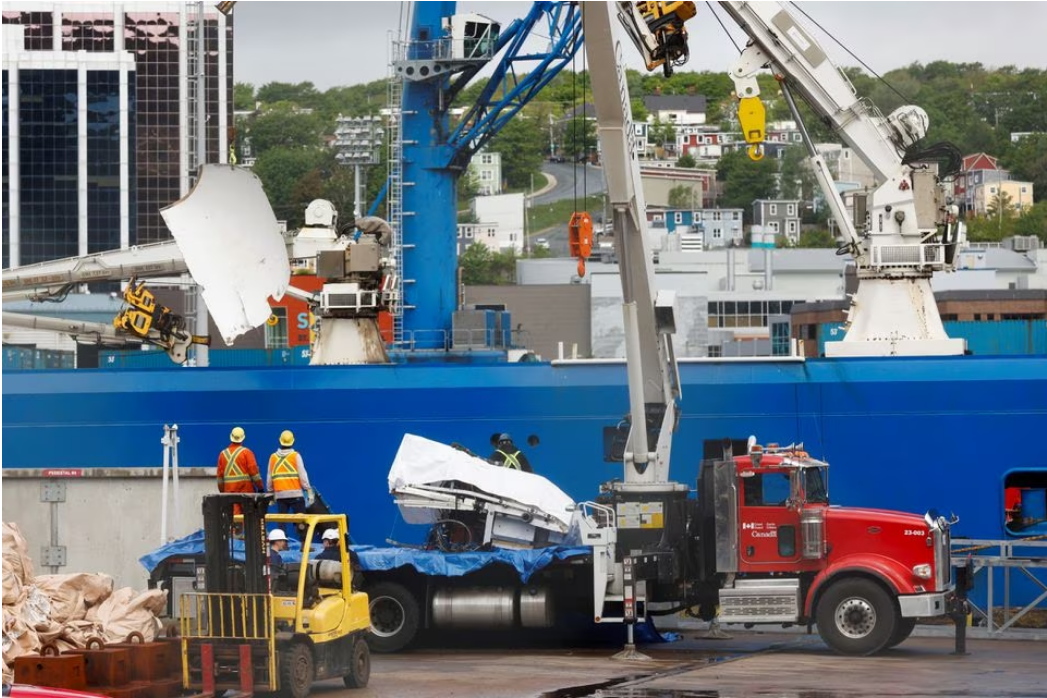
(526, 562)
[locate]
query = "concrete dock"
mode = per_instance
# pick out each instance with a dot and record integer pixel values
(750, 665)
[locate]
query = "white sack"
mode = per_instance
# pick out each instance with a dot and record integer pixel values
(16, 553)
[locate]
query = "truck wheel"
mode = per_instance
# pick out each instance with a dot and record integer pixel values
(856, 617)
(297, 671)
(394, 617)
(359, 665)
(902, 631)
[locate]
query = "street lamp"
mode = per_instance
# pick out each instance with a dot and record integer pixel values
(358, 140)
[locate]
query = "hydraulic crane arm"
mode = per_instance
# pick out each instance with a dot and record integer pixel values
(654, 384)
(902, 231)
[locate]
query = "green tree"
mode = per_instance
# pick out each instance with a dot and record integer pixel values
(686, 160)
(682, 196)
(520, 144)
(1027, 161)
(281, 127)
(796, 181)
(745, 181)
(476, 263)
(467, 185)
(243, 96)
(579, 139)
(660, 133)
(988, 229)
(481, 266)
(816, 238)
(1000, 206)
(1033, 222)
(302, 94)
(281, 170)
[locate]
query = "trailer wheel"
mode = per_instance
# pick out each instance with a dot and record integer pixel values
(856, 617)
(297, 671)
(359, 665)
(902, 631)
(394, 617)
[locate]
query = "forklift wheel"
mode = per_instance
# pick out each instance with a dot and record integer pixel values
(297, 671)
(360, 665)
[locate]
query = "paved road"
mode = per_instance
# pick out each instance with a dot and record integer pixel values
(750, 665)
(589, 179)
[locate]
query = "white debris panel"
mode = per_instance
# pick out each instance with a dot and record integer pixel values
(420, 461)
(232, 246)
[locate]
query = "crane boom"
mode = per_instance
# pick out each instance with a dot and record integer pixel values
(908, 232)
(654, 384)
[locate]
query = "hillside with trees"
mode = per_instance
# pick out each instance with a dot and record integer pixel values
(288, 128)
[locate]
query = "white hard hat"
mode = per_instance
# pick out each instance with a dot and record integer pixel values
(330, 534)
(277, 534)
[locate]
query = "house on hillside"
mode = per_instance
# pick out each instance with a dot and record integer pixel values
(977, 169)
(486, 166)
(679, 110)
(778, 216)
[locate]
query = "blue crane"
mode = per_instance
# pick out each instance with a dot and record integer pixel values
(442, 54)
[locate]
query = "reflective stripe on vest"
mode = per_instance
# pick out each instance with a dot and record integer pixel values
(233, 471)
(283, 472)
(510, 460)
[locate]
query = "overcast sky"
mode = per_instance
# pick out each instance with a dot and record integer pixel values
(345, 43)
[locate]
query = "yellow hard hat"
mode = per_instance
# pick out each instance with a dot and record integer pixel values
(237, 435)
(286, 438)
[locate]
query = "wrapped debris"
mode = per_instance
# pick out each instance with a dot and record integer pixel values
(66, 610)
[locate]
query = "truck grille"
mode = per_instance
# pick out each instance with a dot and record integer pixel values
(943, 556)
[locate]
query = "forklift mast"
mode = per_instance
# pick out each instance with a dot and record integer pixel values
(221, 533)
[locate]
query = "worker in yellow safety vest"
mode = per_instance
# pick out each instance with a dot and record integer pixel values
(237, 469)
(288, 480)
(508, 455)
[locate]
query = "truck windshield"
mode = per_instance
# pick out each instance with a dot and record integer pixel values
(814, 486)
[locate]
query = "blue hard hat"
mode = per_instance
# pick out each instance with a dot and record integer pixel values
(504, 437)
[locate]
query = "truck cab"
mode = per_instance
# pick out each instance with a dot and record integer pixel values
(781, 553)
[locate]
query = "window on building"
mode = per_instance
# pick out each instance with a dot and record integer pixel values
(992, 190)
(791, 210)
(678, 217)
(1025, 502)
(772, 209)
(486, 159)
(790, 227)
(717, 215)
(1025, 190)
(714, 351)
(773, 227)
(717, 233)
(736, 215)
(950, 317)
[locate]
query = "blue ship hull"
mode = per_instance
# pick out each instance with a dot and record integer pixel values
(899, 433)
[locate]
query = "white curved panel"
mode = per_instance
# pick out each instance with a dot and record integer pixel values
(232, 246)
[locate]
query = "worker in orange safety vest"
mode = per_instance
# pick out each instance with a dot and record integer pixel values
(237, 468)
(288, 480)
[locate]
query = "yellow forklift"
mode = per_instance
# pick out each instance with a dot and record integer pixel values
(271, 627)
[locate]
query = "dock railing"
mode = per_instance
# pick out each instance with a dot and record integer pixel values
(1026, 557)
